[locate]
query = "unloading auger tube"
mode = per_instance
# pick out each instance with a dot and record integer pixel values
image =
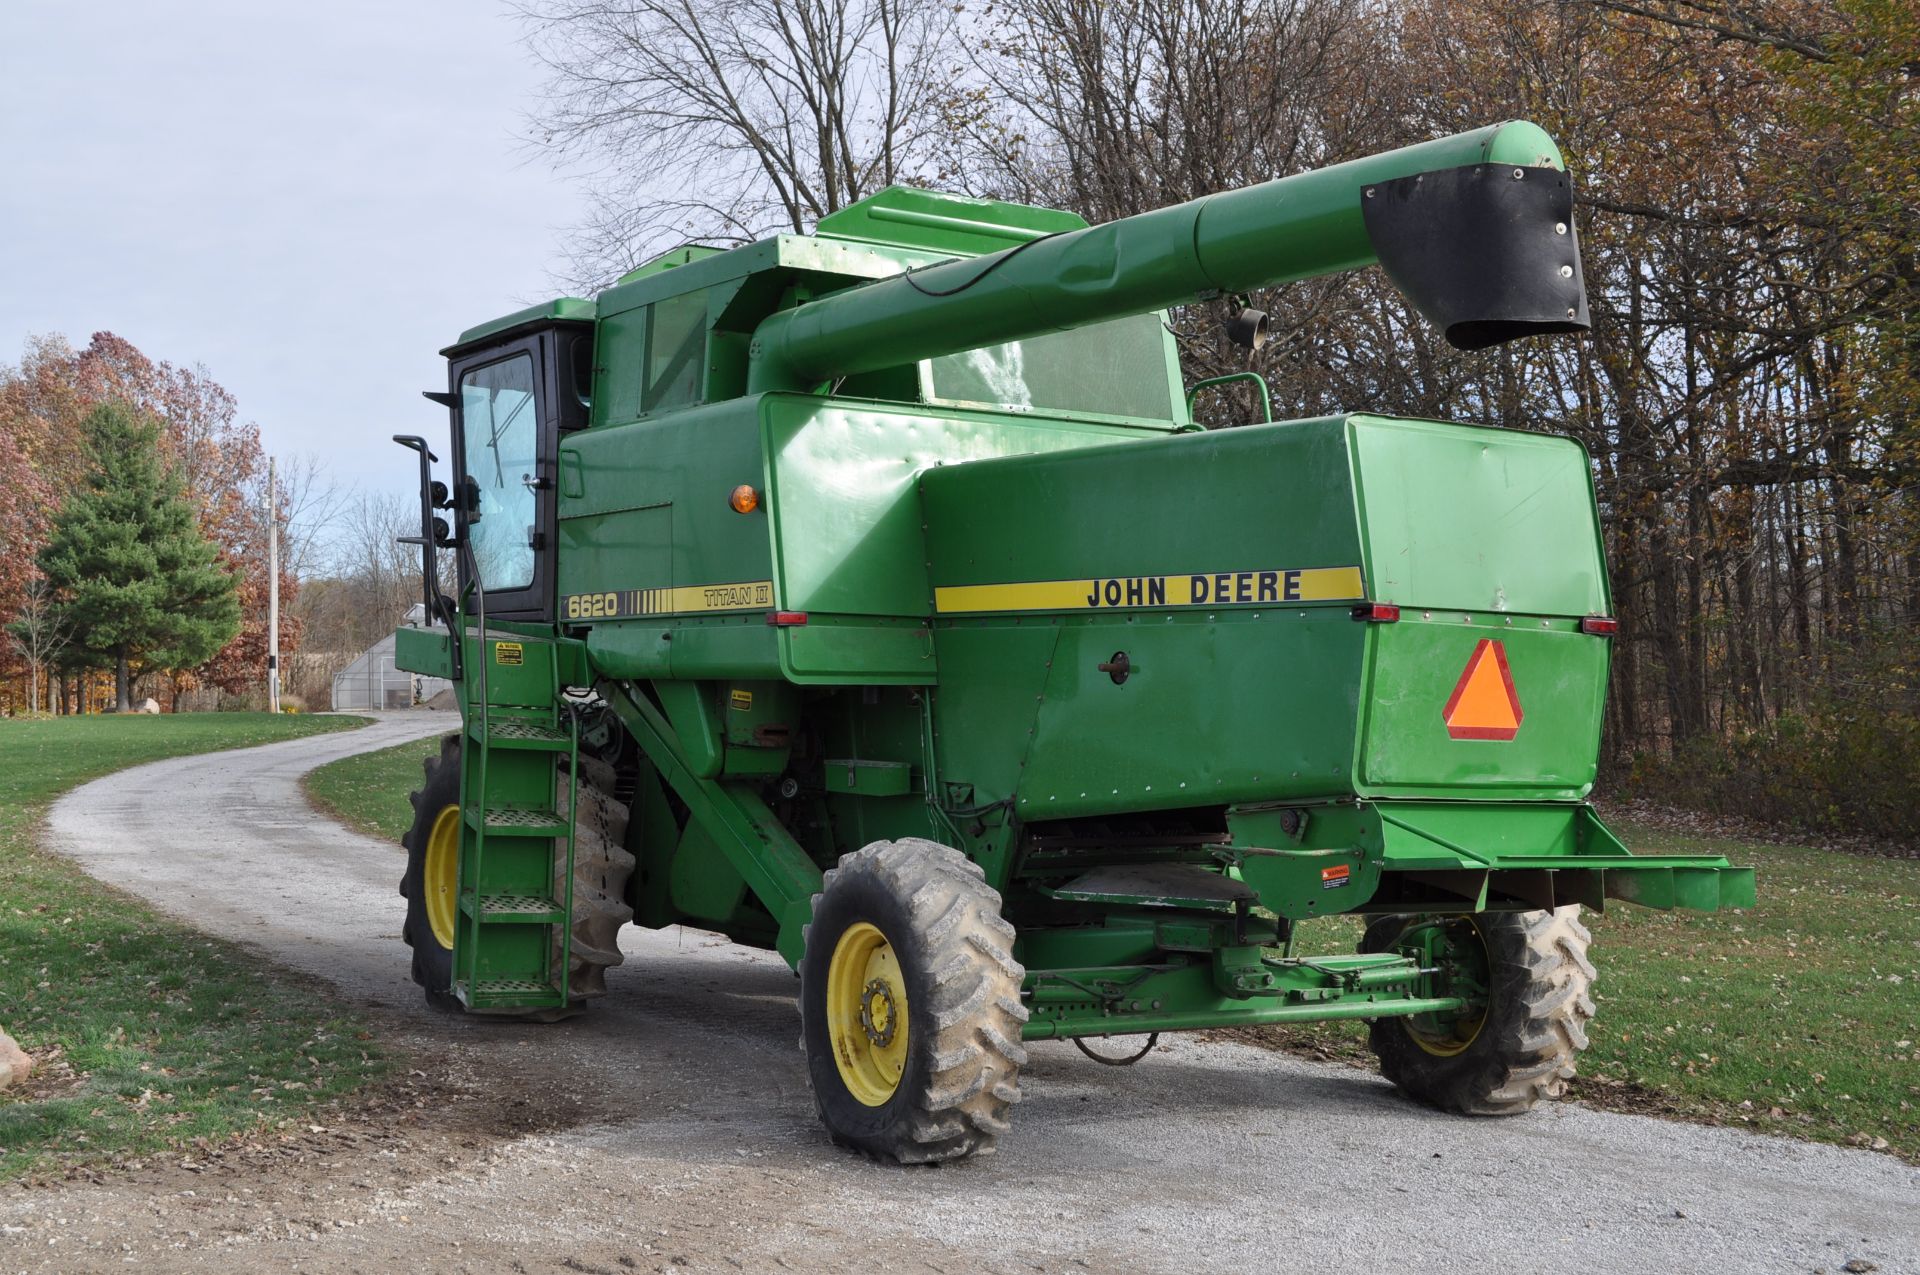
(1476, 230)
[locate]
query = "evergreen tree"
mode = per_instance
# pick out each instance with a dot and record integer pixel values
(137, 579)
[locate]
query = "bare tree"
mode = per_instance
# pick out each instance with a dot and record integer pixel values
(39, 633)
(358, 592)
(732, 119)
(1121, 106)
(311, 507)
(1116, 107)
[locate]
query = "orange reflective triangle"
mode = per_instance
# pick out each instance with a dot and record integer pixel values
(1484, 704)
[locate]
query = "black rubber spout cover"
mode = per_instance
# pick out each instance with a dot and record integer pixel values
(1487, 252)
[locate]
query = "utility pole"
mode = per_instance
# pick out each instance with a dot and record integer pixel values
(273, 592)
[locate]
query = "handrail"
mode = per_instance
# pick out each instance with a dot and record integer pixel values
(1259, 383)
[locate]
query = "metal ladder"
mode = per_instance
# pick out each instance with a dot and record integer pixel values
(516, 870)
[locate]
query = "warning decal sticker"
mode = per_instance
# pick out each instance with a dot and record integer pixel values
(1484, 704)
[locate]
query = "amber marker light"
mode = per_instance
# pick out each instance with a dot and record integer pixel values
(744, 499)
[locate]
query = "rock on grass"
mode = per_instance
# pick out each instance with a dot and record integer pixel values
(15, 1066)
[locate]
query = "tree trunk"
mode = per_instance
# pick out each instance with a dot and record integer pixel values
(1913, 584)
(1798, 589)
(122, 703)
(1846, 585)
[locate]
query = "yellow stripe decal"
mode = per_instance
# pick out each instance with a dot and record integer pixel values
(621, 604)
(1206, 589)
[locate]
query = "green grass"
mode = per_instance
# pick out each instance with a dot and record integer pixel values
(370, 791)
(147, 1033)
(1808, 1005)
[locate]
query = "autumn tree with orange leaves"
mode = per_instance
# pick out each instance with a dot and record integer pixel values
(218, 457)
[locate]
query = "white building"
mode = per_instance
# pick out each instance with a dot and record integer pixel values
(372, 682)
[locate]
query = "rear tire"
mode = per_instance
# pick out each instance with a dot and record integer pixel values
(602, 866)
(907, 936)
(1537, 1009)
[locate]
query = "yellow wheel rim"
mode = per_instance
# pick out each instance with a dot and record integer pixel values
(867, 1014)
(440, 875)
(1445, 1037)
(1458, 1041)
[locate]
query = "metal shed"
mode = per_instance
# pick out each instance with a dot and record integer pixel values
(372, 682)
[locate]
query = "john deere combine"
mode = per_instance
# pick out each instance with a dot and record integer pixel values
(871, 596)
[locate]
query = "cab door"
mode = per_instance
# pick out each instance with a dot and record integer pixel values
(511, 401)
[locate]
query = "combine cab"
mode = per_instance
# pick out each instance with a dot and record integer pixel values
(871, 596)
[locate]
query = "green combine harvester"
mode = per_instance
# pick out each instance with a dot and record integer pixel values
(872, 596)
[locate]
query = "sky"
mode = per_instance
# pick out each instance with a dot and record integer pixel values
(309, 199)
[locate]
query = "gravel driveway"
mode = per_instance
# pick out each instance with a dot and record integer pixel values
(671, 1128)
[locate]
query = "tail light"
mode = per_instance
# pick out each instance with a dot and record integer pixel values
(1600, 625)
(786, 619)
(1377, 612)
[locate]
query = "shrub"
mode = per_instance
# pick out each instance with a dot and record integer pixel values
(1849, 762)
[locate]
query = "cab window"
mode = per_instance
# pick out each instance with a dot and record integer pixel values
(676, 352)
(1117, 368)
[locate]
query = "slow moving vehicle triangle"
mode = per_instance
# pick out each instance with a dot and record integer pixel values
(1484, 704)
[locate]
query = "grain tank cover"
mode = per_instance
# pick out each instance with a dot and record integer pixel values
(912, 218)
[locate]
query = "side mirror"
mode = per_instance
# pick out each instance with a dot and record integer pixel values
(467, 502)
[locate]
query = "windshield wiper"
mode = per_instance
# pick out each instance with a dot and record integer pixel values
(494, 432)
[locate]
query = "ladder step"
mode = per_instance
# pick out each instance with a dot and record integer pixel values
(506, 822)
(535, 736)
(508, 993)
(515, 909)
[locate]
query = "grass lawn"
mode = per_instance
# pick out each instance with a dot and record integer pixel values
(146, 1033)
(1801, 1016)
(370, 792)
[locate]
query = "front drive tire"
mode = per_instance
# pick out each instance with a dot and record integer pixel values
(436, 803)
(910, 1006)
(1536, 1010)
